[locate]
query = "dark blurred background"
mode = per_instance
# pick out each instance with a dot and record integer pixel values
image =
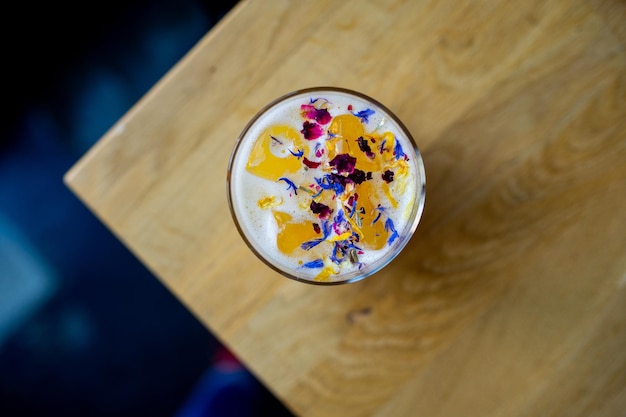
(85, 329)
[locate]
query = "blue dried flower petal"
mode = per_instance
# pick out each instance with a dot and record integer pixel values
(326, 229)
(339, 218)
(393, 237)
(381, 147)
(380, 209)
(290, 185)
(352, 211)
(391, 228)
(310, 244)
(335, 255)
(318, 263)
(297, 154)
(364, 114)
(398, 151)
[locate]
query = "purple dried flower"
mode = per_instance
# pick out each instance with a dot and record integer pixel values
(311, 130)
(312, 113)
(343, 163)
(358, 176)
(365, 147)
(322, 210)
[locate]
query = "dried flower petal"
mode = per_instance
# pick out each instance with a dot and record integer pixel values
(343, 163)
(326, 229)
(339, 180)
(364, 114)
(317, 263)
(311, 130)
(381, 147)
(358, 176)
(391, 228)
(331, 182)
(341, 221)
(365, 147)
(310, 164)
(290, 185)
(388, 176)
(312, 113)
(297, 154)
(322, 210)
(398, 151)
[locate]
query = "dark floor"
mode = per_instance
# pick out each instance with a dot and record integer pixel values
(85, 329)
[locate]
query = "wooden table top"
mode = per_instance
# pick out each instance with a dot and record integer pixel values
(510, 299)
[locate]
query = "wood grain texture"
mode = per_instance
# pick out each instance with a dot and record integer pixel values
(510, 299)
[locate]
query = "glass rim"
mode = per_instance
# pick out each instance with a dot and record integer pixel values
(416, 212)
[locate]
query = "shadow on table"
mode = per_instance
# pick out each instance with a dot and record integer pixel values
(85, 329)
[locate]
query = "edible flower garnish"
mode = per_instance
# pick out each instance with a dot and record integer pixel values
(290, 185)
(358, 176)
(332, 182)
(391, 228)
(298, 154)
(310, 164)
(364, 115)
(318, 263)
(322, 210)
(311, 131)
(388, 176)
(319, 150)
(365, 147)
(312, 113)
(380, 210)
(326, 229)
(347, 197)
(381, 147)
(398, 151)
(343, 163)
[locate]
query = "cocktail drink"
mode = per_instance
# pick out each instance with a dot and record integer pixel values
(326, 185)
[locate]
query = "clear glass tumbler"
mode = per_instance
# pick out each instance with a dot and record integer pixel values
(326, 185)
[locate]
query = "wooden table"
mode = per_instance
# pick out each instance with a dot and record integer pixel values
(510, 299)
